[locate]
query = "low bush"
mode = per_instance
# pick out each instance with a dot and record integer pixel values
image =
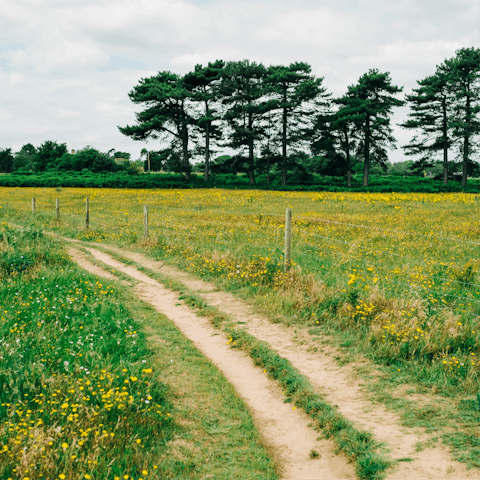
(230, 181)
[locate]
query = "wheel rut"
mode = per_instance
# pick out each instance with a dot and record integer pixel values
(339, 384)
(285, 431)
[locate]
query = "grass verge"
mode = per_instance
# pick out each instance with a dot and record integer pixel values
(82, 395)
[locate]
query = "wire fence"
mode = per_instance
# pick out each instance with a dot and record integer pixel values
(323, 258)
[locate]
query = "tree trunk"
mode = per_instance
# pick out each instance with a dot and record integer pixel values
(268, 168)
(466, 139)
(251, 160)
(445, 142)
(284, 140)
(366, 165)
(347, 151)
(185, 156)
(465, 160)
(207, 152)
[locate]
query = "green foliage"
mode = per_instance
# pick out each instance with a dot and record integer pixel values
(270, 115)
(123, 155)
(311, 183)
(204, 85)
(24, 159)
(465, 84)
(48, 154)
(164, 115)
(167, 160)
(243, 89)
(88, 159)
(368, 106)
(6, 160)
(430, 113)
(296, 96)
(33, 255)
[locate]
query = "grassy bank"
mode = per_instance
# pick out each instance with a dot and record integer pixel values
(82, 396)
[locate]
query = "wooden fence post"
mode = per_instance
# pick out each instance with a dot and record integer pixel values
(33, 205)
(288, 240)
(87, 213)
(57, 208)
(145, 222)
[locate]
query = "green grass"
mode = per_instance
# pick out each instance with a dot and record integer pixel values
(359, 447)
(85, 394)
(453, 419)
(457, 412)
(402, 290)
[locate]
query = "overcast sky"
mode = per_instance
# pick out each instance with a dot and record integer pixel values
(66, 66)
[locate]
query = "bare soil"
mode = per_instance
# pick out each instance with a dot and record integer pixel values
(340, 384)
(284, 431)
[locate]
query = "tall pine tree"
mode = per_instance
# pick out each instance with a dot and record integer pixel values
(204, 85)
(431, 113)
(368, 107)
(465, 83)
(298, 95)
(165, 114)
(243, 88)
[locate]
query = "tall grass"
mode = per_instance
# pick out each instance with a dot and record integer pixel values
(76, 395)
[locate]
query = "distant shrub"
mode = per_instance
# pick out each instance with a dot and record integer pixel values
(311, 183)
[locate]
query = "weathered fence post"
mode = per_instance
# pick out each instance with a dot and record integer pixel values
(145, 222)
(87, 213)
(57, 208)
(288, 240)
(33, 205)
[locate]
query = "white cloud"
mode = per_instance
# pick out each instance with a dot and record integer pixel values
(71, 63)
(12, 79)
(57, 54)
(66, 114)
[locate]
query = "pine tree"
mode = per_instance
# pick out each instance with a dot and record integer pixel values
(368, 107)
(464, 79)
(204, 85)
(430, 112)
(298, 95)
(243, 89)
(165, 114)
(334, 136)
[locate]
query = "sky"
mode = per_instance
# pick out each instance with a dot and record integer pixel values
(66, 66)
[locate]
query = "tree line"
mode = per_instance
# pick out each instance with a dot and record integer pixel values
(280, 121)
(54, 156)
(273, 116)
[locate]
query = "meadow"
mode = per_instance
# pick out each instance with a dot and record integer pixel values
(389, 276)
(81, 394)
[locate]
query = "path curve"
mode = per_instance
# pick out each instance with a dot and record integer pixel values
(338, 383)
(284, 431)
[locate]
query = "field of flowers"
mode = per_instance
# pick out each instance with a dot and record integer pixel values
(77, 399)
(394, 274)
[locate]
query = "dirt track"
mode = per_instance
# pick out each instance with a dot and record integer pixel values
(285, 431)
